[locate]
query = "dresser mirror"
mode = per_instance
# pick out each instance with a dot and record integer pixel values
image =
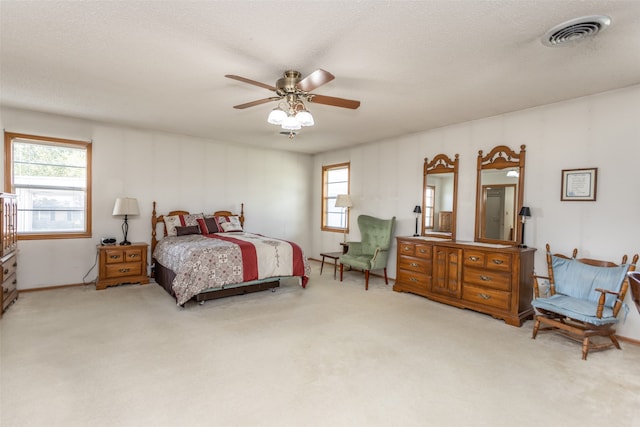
(499, 195)
(440, 197)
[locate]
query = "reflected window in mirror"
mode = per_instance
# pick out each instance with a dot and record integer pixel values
(439, 197)
(499, 195)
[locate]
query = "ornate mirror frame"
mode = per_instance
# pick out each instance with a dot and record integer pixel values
(444, 220)
(499, 158)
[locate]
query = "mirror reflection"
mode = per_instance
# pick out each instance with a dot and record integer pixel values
(439, 196)
(499, 195)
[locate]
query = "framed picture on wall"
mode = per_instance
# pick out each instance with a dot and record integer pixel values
(579, 185)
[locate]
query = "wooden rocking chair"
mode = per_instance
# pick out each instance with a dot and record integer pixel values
(585, 297)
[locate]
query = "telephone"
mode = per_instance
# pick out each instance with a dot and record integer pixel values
(108, 241)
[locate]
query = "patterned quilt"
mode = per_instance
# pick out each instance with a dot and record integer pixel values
(216, 260)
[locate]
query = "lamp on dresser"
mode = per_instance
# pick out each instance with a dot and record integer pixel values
(417, 211)
(344, 201)
(125, 206)
(524, 213)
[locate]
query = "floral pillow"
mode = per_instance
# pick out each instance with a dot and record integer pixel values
(173, 221)
(229, 223)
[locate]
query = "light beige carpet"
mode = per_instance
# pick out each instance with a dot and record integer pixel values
(328, 355)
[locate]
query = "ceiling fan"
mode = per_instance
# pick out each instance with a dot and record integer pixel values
(292, 90)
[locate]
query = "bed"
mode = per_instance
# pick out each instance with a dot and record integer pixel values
(207, 256)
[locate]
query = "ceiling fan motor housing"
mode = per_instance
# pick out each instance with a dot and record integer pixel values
(287, 84)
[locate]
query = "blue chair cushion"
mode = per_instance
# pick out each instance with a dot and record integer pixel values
(579, 280)
(575, 308)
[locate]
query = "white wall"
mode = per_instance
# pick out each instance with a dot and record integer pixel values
(178, 172)
(600, 131)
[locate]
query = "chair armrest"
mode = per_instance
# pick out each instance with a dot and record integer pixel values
(379, 259)
(354, 249)
(601, 300)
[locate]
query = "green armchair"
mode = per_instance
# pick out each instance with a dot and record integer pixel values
(372, 252)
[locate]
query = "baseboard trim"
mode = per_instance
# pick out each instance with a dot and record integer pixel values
(628, 340)
(49, 288)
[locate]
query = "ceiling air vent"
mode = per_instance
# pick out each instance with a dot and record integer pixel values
(575, 29)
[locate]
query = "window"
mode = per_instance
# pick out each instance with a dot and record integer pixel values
(335, 180)
(429, 203)
(52, 178)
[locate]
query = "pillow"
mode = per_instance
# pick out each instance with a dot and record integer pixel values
(208, 225)
(188, 229)
(228, 223)
(173, 221)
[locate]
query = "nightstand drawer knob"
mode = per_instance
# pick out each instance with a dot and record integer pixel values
(474, 258)
(484, 296)
(114, 256)
(485, 278)
(133, 255)
(498, 261)
(124, 270)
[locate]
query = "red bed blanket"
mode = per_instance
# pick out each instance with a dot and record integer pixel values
(222, 259)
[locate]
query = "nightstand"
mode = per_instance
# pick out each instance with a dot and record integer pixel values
(122, 264)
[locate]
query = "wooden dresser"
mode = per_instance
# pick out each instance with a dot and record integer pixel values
(122, 264)
(491, 279)
(8, 251)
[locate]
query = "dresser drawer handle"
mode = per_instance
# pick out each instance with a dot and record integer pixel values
(474, 258)
(413, 279)
(406, 248)
(485, 278)
(114, 256)
(423, 251)
(413, 264)
(133, 255)
(498, 261)
(484, 296)
(6, 270)
(124, 270)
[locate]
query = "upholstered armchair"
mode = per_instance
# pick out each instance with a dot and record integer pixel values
(372, 252)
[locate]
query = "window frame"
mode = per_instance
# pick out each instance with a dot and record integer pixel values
(326, 198)
(10, 188)
(429, 210)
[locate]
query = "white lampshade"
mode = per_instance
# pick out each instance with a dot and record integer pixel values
(290, 123)
(276, 116)
(305, 118)
(126, 206)
(344, 201)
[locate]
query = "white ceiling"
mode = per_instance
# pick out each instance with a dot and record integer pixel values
(414, 65)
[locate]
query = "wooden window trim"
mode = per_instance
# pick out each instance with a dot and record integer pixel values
(8, 182)
(323, 216)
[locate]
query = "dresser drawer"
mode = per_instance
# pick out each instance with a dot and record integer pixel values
(423, 251)
(406, 248)
(8, 268)
(9, 285)
(487, 278)
(414, 278)
(415, 264)
(487, 297)
(474, 258)
(123, 269)
(499, 261)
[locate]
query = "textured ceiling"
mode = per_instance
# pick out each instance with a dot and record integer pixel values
(414, 65)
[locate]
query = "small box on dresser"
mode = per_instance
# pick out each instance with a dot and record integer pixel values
(9, 249)
(122, 264)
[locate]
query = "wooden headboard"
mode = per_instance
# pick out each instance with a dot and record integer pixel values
(159, 219)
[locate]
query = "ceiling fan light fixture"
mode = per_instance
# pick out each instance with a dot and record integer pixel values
(305, 118)
(290, 123)
(276, 116)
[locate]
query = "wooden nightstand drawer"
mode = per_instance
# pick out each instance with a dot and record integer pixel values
(124, 269)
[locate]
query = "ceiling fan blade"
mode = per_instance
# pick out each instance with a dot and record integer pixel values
(336, 102)
(254, 103)
(251, 82)
(314, 80)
